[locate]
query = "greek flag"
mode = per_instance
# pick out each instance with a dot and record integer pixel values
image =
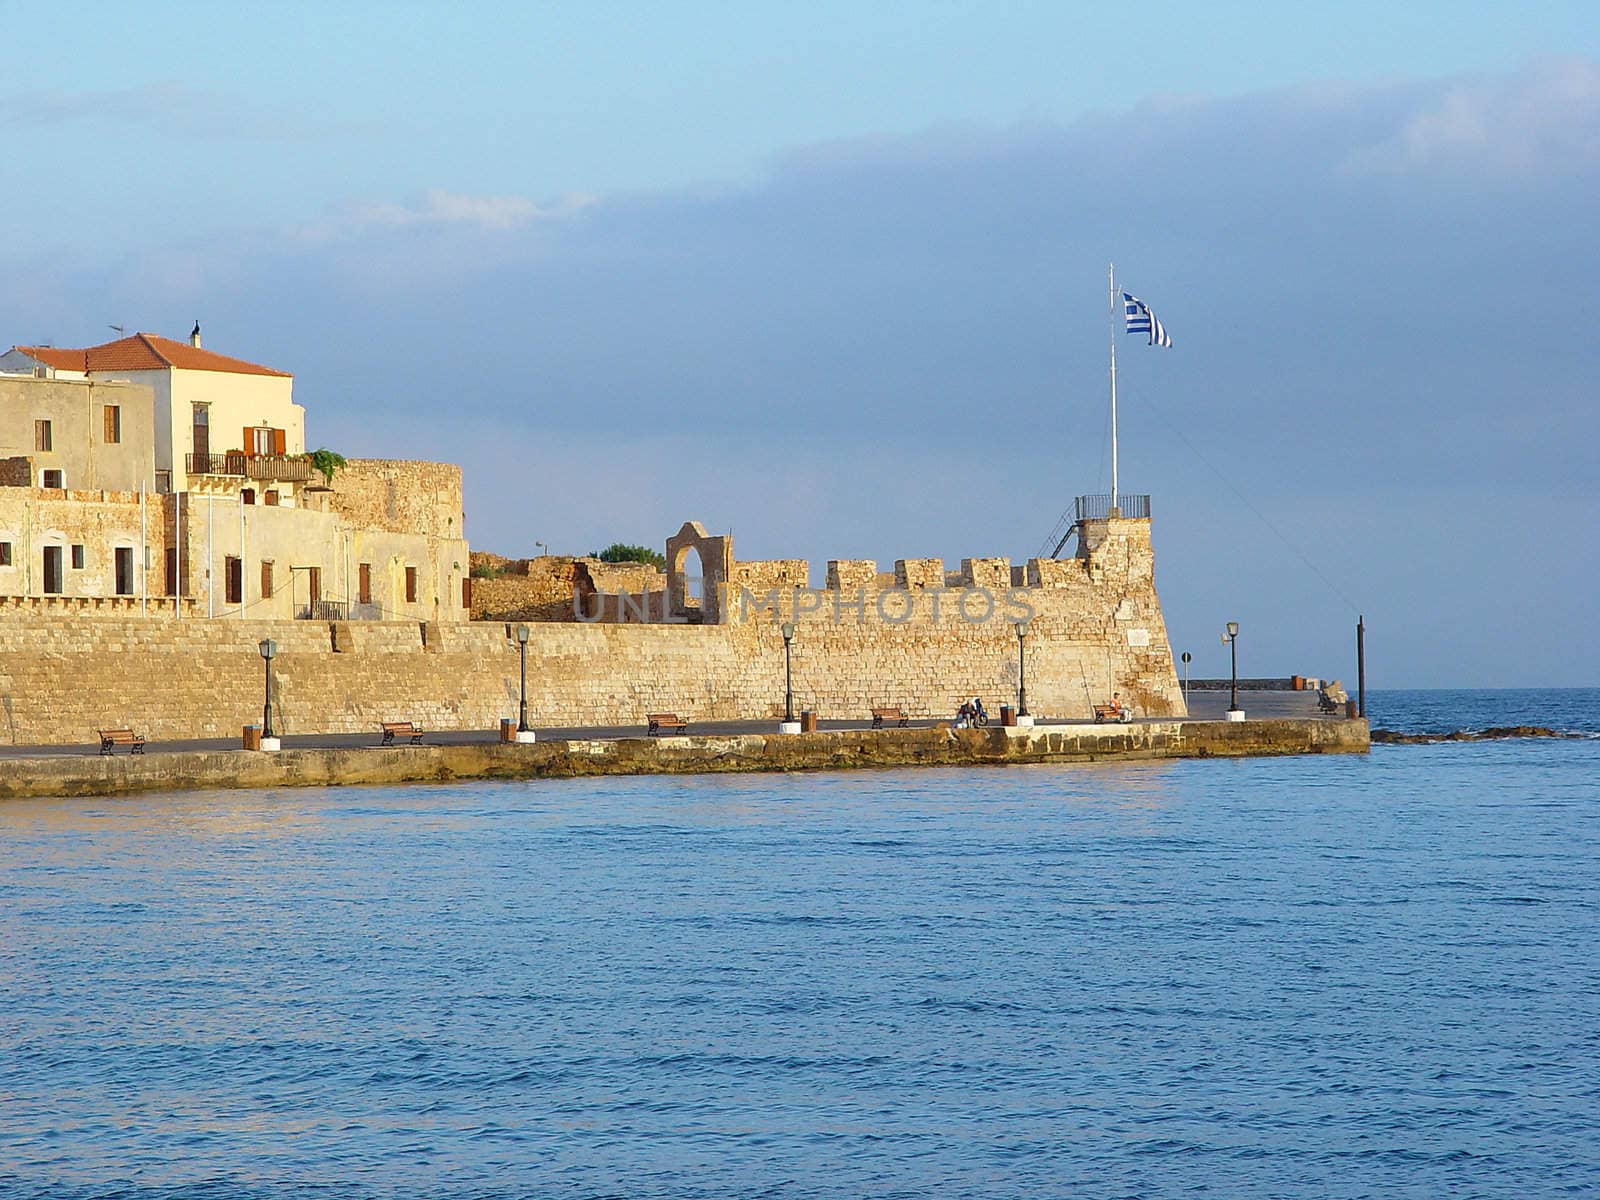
(1142, 320)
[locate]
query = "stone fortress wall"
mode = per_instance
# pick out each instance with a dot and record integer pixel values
(555, 587)
(874, 639)
(921, 637)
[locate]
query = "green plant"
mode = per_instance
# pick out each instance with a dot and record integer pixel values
(327, 462)
(619, 552)
(487, 571)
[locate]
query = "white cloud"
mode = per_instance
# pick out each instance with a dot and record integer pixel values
(439, 208)
(1543, 120)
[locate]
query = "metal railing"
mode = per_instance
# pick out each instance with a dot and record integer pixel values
(280, 467)
(1098, 508)
(324, 610)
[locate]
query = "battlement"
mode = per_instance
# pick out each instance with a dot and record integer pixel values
(1116, 545)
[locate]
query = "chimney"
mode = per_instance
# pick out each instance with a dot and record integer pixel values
(194, 336)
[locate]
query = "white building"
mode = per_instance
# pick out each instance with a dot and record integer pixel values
(216, 418)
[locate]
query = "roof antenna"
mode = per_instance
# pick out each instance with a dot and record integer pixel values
(194, 335)
(120, 330)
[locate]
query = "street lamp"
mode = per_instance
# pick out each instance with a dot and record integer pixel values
(1235, 713)
(1022, 666)
(522, 689)
(788, 674)
(269, 650)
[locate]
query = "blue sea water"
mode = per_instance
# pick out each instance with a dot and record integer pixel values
(1305, 977)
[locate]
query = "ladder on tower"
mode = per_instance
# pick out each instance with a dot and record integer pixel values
(1091, 508)
(1059, 536)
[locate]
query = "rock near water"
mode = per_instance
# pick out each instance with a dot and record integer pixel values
(1394, 738)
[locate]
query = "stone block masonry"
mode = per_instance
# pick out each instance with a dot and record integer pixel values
(1095, 628)
(61, 677)
(561, 588)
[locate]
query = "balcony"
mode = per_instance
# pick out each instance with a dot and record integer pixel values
(272, 468)
(323, 610)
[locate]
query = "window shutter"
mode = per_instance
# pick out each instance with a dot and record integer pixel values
(280, 442)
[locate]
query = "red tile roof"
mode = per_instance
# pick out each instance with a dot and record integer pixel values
(145, 352)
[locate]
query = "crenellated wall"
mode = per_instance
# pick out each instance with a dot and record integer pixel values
(780, 573)
(1095, 627)
(923, 637)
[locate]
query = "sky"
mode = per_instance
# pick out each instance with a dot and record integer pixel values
(833, 277)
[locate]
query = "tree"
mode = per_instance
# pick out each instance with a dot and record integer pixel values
(327, 461)
(618, 552)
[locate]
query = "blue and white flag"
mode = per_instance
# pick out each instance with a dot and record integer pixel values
(1142, 320)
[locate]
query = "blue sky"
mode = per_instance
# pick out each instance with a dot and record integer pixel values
(833, 276)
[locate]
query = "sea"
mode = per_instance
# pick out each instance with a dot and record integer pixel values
(1340, 976)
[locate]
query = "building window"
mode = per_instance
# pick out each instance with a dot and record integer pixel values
(270, 497)
(52, 571)
(5, 554)
(163, 482)
(124, 556)
(113, 424)
(172, 570)
(77, 556)
(266, 580)
(248, 495)
(53, 478)
(42, 439)
(234, 570)
(411, 585)
(364, 585)
(200, 435)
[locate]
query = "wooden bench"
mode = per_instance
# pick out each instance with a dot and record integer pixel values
(121, 737)
(1111, 712)
(405, 729)
(891, 716)
(656, 722)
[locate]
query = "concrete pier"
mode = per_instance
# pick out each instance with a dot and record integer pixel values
(92, 775)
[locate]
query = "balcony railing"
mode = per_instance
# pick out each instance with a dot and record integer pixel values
(1098, 508)
(272, 467)
(324, 610)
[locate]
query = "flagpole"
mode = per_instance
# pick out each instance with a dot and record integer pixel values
(1112, 272)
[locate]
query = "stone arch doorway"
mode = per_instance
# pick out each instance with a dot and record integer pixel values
(694, 579)
(690, 548)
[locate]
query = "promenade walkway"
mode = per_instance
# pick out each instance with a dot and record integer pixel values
(1203, 706)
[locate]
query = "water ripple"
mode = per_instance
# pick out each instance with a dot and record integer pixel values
(1271, 978)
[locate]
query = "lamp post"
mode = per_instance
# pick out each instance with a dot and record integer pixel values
(269, 740)
(1022, 667)
(524, 734)
(1235, 713)
(1186, 657)
(788, 673)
